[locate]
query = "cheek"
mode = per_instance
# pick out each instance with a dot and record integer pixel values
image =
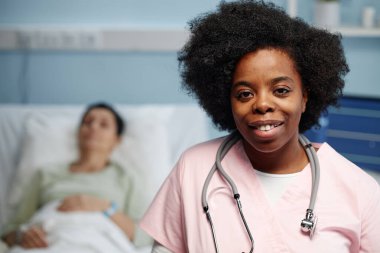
(291, 111)
(239, 109)
(237, 112)
(297, 113)
(81, 133)
(296, 109)
(111, 138)
(297, 105)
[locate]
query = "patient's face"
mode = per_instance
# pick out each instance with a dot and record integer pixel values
(98, 131)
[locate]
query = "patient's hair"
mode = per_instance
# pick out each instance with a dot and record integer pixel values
(220, 39)
(120, 124)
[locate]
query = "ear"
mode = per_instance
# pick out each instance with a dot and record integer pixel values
(304, 100)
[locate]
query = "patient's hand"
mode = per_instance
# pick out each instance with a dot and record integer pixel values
(34, 237)
(82, 202)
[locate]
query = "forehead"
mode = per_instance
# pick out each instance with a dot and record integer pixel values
(271, 61)
(100, 113)
(269, 56)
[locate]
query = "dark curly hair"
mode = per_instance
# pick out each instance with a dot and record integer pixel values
(220, 39)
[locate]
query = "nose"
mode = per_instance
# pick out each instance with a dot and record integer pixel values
(263, 104)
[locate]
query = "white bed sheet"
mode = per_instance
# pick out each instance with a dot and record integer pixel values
(34, 135)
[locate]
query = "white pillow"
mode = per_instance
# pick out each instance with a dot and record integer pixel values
(52, 140)
(46, 140)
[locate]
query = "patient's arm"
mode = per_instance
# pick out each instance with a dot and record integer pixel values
(10, 238)
(125, 223)
(28, 206)
(82, 202)
(33, 237)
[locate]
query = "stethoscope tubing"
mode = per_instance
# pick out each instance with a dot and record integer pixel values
(314, 164)
(223, 149)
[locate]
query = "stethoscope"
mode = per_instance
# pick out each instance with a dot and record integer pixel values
(307, 225)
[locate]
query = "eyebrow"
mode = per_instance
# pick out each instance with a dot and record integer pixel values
(272, 82)
(280, 79)
(241, 83)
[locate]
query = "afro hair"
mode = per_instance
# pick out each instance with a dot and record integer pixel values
(218, 40)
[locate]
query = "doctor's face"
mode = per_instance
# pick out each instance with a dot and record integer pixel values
(267, 99)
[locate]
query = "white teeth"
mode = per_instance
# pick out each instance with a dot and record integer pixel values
(265, 127)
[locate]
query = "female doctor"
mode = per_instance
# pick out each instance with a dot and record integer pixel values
(267, 78)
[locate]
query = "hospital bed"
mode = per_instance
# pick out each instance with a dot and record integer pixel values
(32, 136)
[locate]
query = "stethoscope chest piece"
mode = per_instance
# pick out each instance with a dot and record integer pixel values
(309, 224)
(312, 231)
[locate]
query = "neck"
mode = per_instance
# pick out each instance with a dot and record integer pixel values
(291, 158)
(90, 161)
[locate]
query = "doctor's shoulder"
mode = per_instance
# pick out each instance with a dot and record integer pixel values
(344, 168)
(339, 172)
(362, 193)
(202, 153)
(198, 158)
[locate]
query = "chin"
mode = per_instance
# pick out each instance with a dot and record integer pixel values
(263, 146)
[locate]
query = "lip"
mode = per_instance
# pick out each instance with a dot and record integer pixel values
(268, 134)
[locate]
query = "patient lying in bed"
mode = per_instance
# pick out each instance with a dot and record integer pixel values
(83, 206)
(73, 232)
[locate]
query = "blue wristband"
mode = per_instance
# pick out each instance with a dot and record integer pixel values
(111, 210)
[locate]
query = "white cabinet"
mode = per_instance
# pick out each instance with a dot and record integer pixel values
(346, 31)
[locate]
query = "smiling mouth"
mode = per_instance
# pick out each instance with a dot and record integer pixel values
(265, 127)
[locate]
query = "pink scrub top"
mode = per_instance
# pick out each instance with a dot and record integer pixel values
(347, 206)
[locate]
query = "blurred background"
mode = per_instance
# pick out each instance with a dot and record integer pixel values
(125, 52)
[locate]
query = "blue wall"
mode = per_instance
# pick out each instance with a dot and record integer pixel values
(51, 77)
(132, 77)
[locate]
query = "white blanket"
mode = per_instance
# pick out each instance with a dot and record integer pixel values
(78, 232)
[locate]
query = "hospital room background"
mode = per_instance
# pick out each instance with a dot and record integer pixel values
(58, 56)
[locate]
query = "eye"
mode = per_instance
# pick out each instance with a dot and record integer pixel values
(87, 121)
(244, 95)
(282, 91)
(104, 124)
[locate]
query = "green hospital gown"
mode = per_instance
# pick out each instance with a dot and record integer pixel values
(55, 183)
